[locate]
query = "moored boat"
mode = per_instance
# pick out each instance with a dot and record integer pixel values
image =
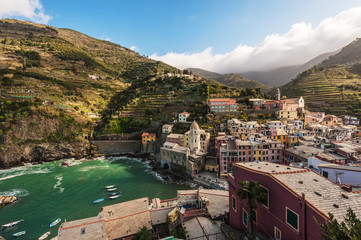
(111, 189)
(110, 186)
(114, 193)
(98, 200)
(55, 222)
(44, 236)
(114, 197)
(12, 223)
(19, 234)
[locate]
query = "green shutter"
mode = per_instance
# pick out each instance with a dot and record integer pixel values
(234, 203)
(245, 218)
(264, 200)
(292, 219)
(325, 174)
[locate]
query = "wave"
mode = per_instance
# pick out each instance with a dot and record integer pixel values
(15, 192)
(8, 174)
(58, 183)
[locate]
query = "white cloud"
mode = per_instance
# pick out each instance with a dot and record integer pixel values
(106, 38)
(30, 9)
(134, 48)
(301, 43)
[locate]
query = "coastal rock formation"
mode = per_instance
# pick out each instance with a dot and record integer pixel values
(5, 200)
(44, 152)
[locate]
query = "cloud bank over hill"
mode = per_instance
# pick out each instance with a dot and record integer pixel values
(30, 9)
(300, 44)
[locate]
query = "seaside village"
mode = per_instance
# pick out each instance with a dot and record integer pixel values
(308, 164)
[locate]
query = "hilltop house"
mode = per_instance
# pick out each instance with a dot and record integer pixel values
(182, 117)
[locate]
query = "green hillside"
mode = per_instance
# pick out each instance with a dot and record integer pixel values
(57, 86)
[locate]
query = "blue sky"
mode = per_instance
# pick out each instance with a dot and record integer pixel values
(185, 27)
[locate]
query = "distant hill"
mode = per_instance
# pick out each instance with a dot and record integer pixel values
(334, 85)
(231, 79)
(279, 76)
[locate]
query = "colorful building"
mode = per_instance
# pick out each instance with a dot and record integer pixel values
(219, 105)
(294, 198)
(148, 137)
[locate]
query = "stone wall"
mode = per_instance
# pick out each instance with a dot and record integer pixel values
(118, 146)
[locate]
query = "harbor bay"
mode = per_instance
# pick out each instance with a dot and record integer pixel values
(48, 191)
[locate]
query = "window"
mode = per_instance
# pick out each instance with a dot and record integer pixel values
(265, 200)
(325, 174)
(234, 203)
(245, 218)
(253, 216)
(292, 218)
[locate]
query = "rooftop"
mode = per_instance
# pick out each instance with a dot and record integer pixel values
(341, 167)
(243, 143)
(148, 134)
(124, 219)
(175, 135)
(87, 228)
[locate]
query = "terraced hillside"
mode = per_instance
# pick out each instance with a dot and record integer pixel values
(334, 90)
(334, 85)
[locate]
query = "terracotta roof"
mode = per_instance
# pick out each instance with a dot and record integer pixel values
(185, 113)
(148, 134)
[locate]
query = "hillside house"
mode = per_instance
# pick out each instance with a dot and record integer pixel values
(148, 137)
(182, 117)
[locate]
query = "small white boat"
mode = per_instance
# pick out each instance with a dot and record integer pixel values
(44, 236)
(111, 189)
(12, 223)
(114, 197)
(110, 186)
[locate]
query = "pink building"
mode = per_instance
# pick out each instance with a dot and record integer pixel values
(289, 105)
(176, 138)
(272, 104)
(293, 198)
(274, 125)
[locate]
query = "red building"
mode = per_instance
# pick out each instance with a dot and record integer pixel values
(294, 197)
(222, 105)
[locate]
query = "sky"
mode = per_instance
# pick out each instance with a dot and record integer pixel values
(221, 36)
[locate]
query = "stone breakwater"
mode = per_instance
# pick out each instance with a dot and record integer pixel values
(5, 200)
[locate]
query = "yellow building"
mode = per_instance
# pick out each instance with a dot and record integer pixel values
(286, 114)
(211, 165)
(148, 137)
(292, 141)
(281, 136)
(257, 152)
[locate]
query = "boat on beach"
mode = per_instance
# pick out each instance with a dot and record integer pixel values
(111, 189)
(44, 236)
(114, 193)
(110, 186)
(55, 222)
(114, 197)
(98, 200)
(12, 223)
(19, 234)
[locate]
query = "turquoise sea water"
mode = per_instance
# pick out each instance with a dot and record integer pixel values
(49, 191)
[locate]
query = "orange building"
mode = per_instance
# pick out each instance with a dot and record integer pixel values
(148, 137)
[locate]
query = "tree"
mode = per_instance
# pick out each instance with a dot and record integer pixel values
(143, 234)
(253, 192)
(349, 229)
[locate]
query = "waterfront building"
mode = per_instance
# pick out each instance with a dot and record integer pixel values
(176, 138)
(220, 105)
(148, 137)
(294, 198)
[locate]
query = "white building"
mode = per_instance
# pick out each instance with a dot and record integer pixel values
(182, 117)
(342, 174)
